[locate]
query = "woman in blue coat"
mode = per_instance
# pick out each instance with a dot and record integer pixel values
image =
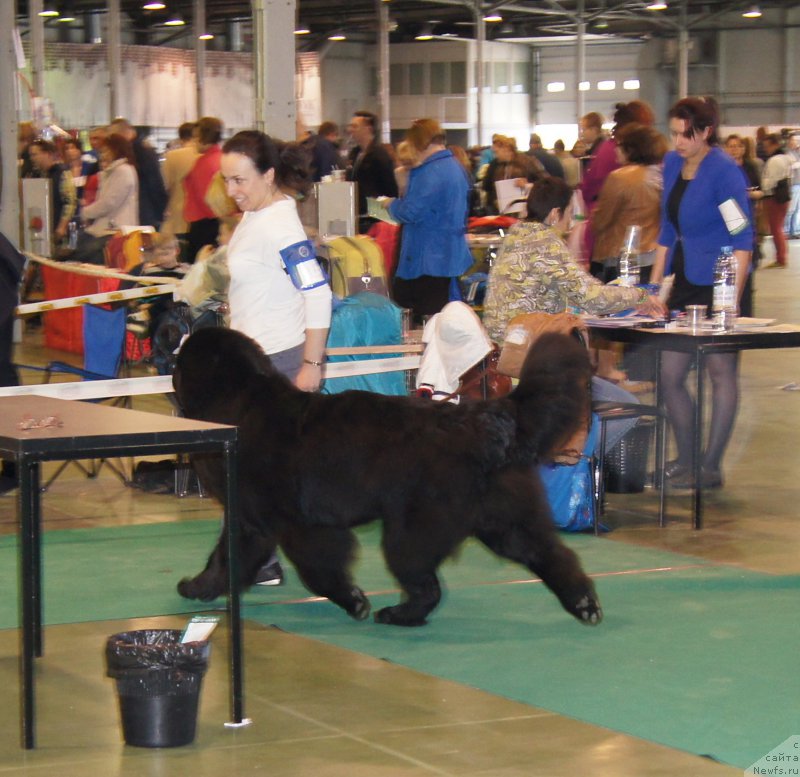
(433, 212)
(703, 188)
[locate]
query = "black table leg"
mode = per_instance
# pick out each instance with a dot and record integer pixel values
(697, 442)
(29, 604)
(234, 615)
(36, 547)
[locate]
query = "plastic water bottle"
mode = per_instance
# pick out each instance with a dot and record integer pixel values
(629, 257)
(724, 304)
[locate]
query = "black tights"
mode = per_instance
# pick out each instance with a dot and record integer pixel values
(723, 369)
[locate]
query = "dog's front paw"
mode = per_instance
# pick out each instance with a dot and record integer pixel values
(588, 610)
(360, 607)
(394, 616)
(202, 587)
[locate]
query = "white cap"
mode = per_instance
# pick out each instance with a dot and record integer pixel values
(455, 340)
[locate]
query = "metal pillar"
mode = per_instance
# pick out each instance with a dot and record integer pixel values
(683, 63)
(480, 38)
(200, 55)
(384, 107)
(9, 115)
(274, 57)
(580, 62)
(37, 46)
(114, 54)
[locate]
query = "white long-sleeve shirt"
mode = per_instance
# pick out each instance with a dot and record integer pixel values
(264, 303)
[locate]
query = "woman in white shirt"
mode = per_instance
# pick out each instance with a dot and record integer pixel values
(278, 294)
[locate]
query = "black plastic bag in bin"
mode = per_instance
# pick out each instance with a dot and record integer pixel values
(158, 684)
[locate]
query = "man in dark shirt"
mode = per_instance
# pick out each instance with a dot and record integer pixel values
(371, 166)
(63, 197)
(550, 162)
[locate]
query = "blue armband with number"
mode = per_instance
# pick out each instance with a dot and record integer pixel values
(300, 262)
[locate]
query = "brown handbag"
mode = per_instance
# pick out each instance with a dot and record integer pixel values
(484, 374)
(524, 330)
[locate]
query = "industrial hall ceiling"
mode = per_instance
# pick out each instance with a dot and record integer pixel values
(356, 20)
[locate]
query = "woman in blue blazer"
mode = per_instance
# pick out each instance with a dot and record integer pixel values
(702, 188)
(433, 212)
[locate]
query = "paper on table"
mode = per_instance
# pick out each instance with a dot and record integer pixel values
(615, 322)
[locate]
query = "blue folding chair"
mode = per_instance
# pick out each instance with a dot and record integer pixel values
(103, 358)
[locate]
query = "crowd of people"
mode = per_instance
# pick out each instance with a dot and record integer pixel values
(561, 256)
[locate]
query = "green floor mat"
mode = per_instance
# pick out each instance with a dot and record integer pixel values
(692, 655)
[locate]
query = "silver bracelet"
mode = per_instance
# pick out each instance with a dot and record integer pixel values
(313, 363)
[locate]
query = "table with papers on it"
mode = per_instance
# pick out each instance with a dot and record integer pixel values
(749, 334)
(34, 429)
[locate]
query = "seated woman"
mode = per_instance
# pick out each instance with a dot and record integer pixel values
(535, 273)
(116, 204)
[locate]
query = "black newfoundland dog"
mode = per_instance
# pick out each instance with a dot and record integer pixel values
(313, 466)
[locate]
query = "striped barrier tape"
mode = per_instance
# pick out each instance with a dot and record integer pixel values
(162, 384)
(93, 299)
(96, 270)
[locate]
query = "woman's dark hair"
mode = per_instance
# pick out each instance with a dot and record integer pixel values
(641, 145)
(47, 146)
(73, 142)
(209, 130)
(700, 114)
(290, 161)
(636, 111)
(546, 194)
(120, 148)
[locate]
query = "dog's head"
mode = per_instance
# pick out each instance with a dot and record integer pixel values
(554, 394)
(217, 366)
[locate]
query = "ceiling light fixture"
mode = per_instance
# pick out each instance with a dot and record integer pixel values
(206, 36)
(302, 29)
(337, 35)
(49, 11)
(154, 6)
(657, 5)
(753, 12)
(68, 14)
(425, 32)
(174, 20)
(493, 17)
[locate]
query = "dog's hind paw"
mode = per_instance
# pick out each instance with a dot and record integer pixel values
(588, 610)
(360, 608)
(393, 616)
(201, 588)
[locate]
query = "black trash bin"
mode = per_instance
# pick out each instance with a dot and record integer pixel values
(626, 462)
(158, 684)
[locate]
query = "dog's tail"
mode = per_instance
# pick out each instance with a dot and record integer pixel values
(553, 399)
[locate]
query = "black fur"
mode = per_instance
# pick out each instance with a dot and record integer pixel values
(313, 466)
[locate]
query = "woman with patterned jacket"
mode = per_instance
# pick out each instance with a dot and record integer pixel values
(535, 273)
